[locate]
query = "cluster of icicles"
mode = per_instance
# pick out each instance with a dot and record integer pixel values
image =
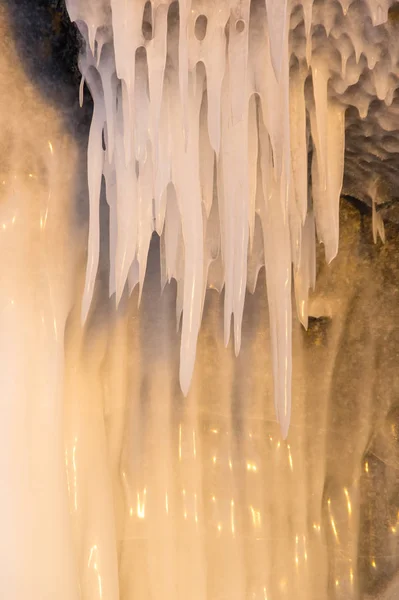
(203, 129)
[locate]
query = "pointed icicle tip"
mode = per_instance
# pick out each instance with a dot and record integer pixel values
(118, 291)
(227, 327)
(186, 373)
(81, 90)
(284, 427)
(92, 30)
(284, 416)
(86, 302)
(237, 339)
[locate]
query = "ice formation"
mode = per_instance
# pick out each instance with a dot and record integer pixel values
(220, 124)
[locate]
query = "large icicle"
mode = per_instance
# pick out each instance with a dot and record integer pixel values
(214, 57)
(278, 275)
(95, 159)
(186, 177)
(234, 168)
(156, 59)
(277, 22)
(299, 146)
(125, 209)
(184, 11)
(305, 275)
(328, 133)
(238, 58)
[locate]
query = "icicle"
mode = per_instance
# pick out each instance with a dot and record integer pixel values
(94, 168)
(184, 11)
(378, 225)
(106, 69)
(295, 228)
(206, 137)
(277, 15)
(93, 15)
(95, 160)
(126, 212)
(256, 259)
(186, 178)
(212, 248)
(81, 88)
(320, 84)
(142, 107)
(345, 5)
(127, 109)
(146, 216)
(207, 160)
(346, 49)
(380, 75)
(305, 275)
(162, 161)
(234, 168)
(299, 148)
(126, 43)
(252, 164)
(238, 57)
(286, 167)
(377, 221)
(133, 277)
(156, 59)
(327, 183)
(92, 30)
(214, 52)
(241, 233)
(274, 96)
(214, 265)
(278, 277)
(378, 11)
(112, 199)
(172, 235)
(307, 14)
(179, 301)
(336, 161)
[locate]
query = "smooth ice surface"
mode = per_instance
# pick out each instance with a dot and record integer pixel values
(37, 165)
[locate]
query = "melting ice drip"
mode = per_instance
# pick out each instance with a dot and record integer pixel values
(210, 113)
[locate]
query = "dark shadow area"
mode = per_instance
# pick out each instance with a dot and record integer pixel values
(48, 46)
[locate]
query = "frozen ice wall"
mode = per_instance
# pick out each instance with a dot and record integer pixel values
(38, 161)
(113, 483)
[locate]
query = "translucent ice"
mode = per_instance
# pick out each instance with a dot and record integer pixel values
(223, 126)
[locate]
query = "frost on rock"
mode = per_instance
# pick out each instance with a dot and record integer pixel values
(210, 112)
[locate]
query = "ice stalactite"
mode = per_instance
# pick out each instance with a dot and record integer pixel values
(377, 222)
(328, 129)
(95, 161)
(204, 116)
